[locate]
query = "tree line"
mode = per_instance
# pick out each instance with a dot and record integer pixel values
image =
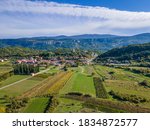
(25, 69)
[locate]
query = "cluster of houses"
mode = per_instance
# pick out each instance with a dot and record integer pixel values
(116, 62)
(2, 60)
(56, 61)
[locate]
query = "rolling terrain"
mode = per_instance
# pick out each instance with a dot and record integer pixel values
(69, 81)
(86, 41)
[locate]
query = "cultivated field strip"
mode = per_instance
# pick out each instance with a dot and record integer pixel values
(44, 86)
(60, 84)
(100, 89)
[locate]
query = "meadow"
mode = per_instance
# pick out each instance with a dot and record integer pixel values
(80, 82)
(125, 82)
(36, 105)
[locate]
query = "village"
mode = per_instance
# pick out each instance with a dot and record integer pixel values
(55, 61)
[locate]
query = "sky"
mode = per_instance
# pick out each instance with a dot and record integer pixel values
(32, 18)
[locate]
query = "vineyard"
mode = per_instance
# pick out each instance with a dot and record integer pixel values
(54, 88)
(45, 92)
(44, 87)
(100, 89)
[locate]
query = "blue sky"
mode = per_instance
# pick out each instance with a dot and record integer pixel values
(130, 5)
(29, 18)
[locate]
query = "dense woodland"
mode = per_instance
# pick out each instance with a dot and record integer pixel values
(20, 52)
(137, 53)
(25, 69)
(17, 52)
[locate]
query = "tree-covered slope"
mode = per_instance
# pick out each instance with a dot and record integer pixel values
(17, 51)
(136, 52)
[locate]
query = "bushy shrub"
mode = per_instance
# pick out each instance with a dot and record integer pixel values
(126, 97)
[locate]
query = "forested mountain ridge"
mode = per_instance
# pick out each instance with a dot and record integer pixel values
(136, 52)
(86, 41)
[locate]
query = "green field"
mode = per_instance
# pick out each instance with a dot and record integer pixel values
(80, 82)
(124, 82)
(53, 70)
(6, 64)
(12, 79)
(5, 69)
(119, 74)
(68, 105)
(36, 105)
(19, 88)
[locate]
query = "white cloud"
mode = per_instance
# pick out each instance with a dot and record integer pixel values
(33, 18)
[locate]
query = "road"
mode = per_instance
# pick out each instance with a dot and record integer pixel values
(23, 79)
(82, 69)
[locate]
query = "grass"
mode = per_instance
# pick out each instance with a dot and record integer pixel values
(53, 70)
(12, 79)
(5, 63)
(5, 69)
(79, 83)
(127, 87)
(19, 88)
(36, 105)
(125, 82)
(68, 106)
(120, 74)
(89, 70)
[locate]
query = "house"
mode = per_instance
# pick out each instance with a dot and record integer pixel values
(32, 74)
(1, 60)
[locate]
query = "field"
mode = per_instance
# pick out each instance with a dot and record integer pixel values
(19, 88)
(68, 105)
(125, 82)
(80, 82)
(36, 105)
(80, 89)
(12, 79)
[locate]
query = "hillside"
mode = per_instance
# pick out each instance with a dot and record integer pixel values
(136, 52)
(17, 51)
(87, 41)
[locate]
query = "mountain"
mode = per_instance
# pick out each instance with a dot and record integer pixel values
(86, 41)
(93, 36)
(136, 53)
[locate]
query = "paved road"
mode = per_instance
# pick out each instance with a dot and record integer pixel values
(23, 79)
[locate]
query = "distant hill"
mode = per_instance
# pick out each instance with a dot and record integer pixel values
(17, 52)
(86, 41)
(93, 36)
(136, 52)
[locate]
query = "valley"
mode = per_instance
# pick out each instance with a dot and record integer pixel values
(74, 90)
(75, 81)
